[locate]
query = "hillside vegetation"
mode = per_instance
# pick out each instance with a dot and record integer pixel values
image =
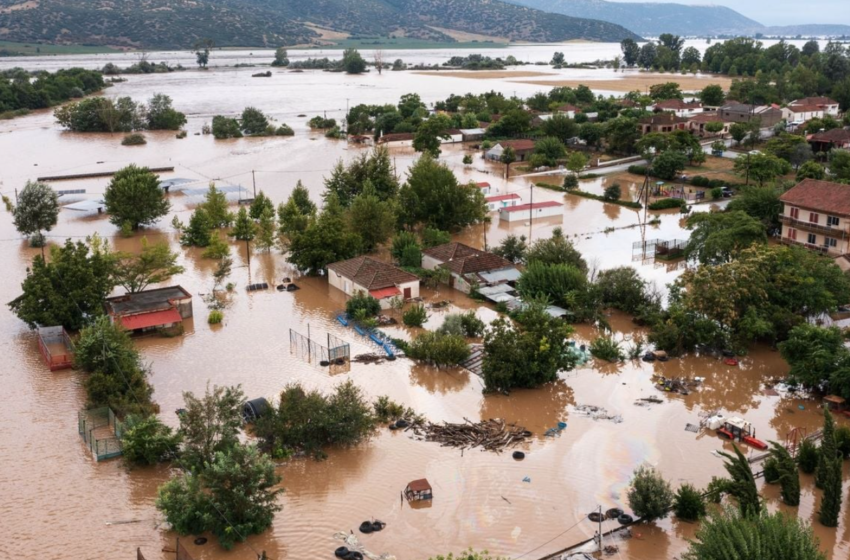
(168, 24)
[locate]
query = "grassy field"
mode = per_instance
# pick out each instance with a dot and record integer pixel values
(406, 43)
(33, 49)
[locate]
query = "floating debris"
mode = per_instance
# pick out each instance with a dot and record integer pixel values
(681, 385)
(491, 435)
(597, 413)
(556, 431)
(692, 428)
(369, 359)
(648, 400)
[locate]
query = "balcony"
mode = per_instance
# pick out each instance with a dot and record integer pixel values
(817, 228)
(831, 251)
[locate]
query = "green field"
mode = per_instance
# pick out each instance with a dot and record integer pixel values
(406, 43)
(34, 49)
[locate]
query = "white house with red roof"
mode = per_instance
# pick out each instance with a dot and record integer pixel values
(679, 107)
(525, 212)
(380, 280)
(824, 104)
(499, 201)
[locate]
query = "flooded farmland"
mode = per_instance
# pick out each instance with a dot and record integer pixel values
(56, 502)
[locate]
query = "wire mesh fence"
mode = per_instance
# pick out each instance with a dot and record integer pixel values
(101, 432)
(336, 355)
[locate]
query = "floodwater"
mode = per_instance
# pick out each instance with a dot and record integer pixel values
(57, 503)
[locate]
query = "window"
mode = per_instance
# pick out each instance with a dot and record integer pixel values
(830, 242)
(792, 234)
(795, 213)
(832, 221)
(813, 239)
(813, 217)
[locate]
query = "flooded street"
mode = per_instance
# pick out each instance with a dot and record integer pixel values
(56, 502)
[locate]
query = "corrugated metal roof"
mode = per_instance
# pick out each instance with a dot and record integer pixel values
(385, 293)
(155, 319)
(503, 275)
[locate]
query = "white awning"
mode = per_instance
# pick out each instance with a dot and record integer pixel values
(86, 205)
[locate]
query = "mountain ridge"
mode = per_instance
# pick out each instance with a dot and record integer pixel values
(168, 24)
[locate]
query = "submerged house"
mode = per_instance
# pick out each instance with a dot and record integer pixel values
(150, 310)
(468, 266)
(816, 215)
(380, 280)
(522, 149)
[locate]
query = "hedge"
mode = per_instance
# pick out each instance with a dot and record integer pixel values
(666, 203)
(585, 194)
(638, 169)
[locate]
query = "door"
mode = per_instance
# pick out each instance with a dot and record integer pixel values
(407, 293)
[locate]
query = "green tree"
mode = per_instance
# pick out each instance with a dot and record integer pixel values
(202, 52)
(266, 230)
(817, 355)
(161, 114)
(592, 133)
(742, 485)
(209, 424)
(718, 237)
(528, 354)
(371, 218)
(233, 497)
(154, 264)
(508, 157)
(513, 123)
(760, 203)
(839, 164)
(147, 441)
(712, 95)
(621, 134)
(281, 58)
(216, 206)
(197, 233)
(352, 62)
(346, 182)
(297, 213)
(244, 228)
(431, 237)
(631, 51)
(830, 507)
(762, 168)
(415, 316)
(37, 210)
(557, 59)
(134, 196)
(612, 192)
(512, 248)
(324, 241)
(775, 536)
(668, 164)
(827, 453)
(254, 122)
(438, 349)
(69, 290)
(556, 250)
(649, 495)
(549, 150)
(667, 90)
(433, 196)
(789, 476)
(429, 133)
(225, 127)
(576, 162)
(688, 503)
(738, 131)
(807, 456)
(560, 126)
(259, 205)
(811, 170)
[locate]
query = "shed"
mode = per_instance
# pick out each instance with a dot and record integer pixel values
(472, 134)
(148, 310)
(56, 347)
(524, 212)
(419, 490)
(833, 402)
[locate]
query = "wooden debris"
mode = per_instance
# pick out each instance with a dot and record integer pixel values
(369, 359)
(490, 435)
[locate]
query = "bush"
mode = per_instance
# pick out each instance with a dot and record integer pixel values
(439, 349)
(807, 456)
(147, 441)
(649, 495)
(452, 324)
(637, 169)
(771, 470)
(570, 182)
(715, 489)
(362, 304)
(606, 348)
(411, 257)
(700, 181)
(667, 203)
(225, 127)
(842, 440)
(415, 316)
(467, 159)
(473, 327)
(431, 237)
(688, 503)
(216, 316)
(612, 192)
(716, 193)
(284, 130)
(134, 139)
(387, 410)
(217, 249)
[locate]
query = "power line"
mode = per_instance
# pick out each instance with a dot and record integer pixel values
(549, 541)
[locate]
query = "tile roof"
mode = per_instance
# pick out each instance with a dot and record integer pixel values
(567, 108)
(819, 195)
(463, 259)
(501, 197)
(706, 117)
(372, 274)
(662, 118)
(814, 101)
(397, 137)
(804, 108)
(678, 104)
(536, 205)
(518, 145)
(836, 135)
(483, 185)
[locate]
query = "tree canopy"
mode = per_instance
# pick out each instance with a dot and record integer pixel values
(37, 210)
(135, 197)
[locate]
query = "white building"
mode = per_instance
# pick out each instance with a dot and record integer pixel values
(381, 280)
(524, 212)
(802, 113)
(486, 188)
(498, 201)
(679, 108)
(469, 266)
(825, 104)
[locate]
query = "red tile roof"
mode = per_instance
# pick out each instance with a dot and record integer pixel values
(835, 136)
(372, 274)
(385, 293)
(814, 101)
(705, 118)
(662, 118)
(804, 108)
(398, 137)
(819, 195)
(463, 259)
(535, 206)
(678, 104)
(483, 185)
(567, 108)
(155, 319)
(501, 197)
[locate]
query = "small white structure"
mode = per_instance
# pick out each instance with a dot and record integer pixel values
(397, 140)
(502, 201)
(679, 108)
(525, 212)
(381, 280)
(454, 136)
(486, 188)
(825, 104)
(472, 134)
(568, 111)
(469, 266)
(802, 113)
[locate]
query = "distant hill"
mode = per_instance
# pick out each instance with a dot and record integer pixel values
(166, 24)
(653, 18)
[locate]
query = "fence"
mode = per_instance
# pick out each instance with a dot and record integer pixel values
(336, 355)
(56, 347)
(101, 431)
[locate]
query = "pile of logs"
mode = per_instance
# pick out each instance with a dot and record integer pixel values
(491, 435)
(369, 359)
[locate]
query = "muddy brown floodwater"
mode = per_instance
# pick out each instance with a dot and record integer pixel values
(56, 502)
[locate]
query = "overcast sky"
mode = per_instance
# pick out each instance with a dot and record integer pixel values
(781, 12)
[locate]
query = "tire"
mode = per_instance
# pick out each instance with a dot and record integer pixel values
(377, 526)
(200, 540)
(393, 427)
(324, 363)
(366, 527)
(614, 513)
(341, 552)
(340, 361)
(402, 423)
(518, 455)
(596, 517)
(625, 519)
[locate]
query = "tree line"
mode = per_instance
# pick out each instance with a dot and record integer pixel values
(21, 91)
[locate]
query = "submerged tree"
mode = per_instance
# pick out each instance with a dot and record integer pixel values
(135, 197)
(742, 485)
(649, 495)
(37, 210)
(789, 476)
(153, 264)
(210, 424)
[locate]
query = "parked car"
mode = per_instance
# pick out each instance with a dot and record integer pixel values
(727, 192)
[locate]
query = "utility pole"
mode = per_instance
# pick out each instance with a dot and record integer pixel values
(600, 529)
(254, 179)
(530, 213)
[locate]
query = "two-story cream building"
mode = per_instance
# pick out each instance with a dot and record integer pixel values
(816, 214)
